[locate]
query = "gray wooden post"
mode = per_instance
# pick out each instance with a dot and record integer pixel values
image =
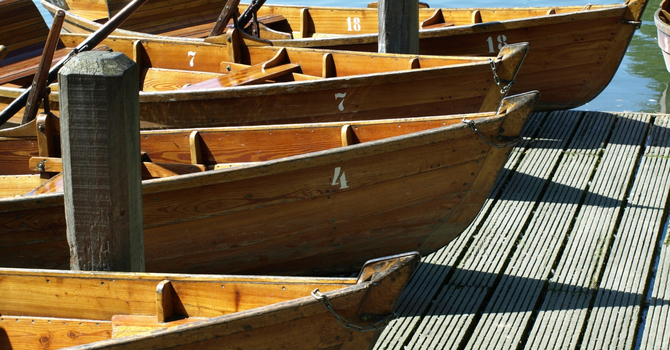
(100, 141)
(398, 26)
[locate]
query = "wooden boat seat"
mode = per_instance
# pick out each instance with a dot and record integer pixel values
(436, 20)
(272, 68)
(252, 75)
(150, 170)
(437, 25)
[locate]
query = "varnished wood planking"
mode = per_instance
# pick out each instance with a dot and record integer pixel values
(15, 155)
(47, 333)
(258, 306)
(22, 25)
(101, 297)
(166, 80)
(18, 185)
(319, 234)
(300, 188)
(576, 50)
(450, 85)
(267, 143)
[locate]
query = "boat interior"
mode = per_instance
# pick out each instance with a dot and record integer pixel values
(32, 165)
(51, 309)
(186, 18)
(167, 66)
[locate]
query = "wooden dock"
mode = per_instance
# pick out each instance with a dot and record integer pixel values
(570, 251)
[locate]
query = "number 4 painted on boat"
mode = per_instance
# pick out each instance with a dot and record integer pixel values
(340, 179)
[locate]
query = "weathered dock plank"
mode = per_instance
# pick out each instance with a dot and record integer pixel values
(479, 271)
(614, 319)
(435, 268)
(509, 310)
(656, 330)
(562, 254)
(563, 312)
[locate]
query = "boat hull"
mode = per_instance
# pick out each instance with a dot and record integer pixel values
(361, 90)
(318, 213)
(101, 310)
(574, 54)
(663, 30)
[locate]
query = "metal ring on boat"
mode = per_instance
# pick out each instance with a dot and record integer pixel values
(473, 126)
(384, 320)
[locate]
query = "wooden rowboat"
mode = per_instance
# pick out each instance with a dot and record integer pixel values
(662, 20)
(50, 309)
(576, 49)
(193, 85)
(293, 199)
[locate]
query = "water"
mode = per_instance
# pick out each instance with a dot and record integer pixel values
(640, 85)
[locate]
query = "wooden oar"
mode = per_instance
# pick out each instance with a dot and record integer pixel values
(249, 13)
(88, 44)
(40, 79)
(3, 52)
(228, 11)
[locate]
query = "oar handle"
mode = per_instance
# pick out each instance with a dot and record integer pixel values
(249, 13)
(227, 12)
(40, 79)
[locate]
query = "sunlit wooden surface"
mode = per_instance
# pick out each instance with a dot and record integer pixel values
(564, 253)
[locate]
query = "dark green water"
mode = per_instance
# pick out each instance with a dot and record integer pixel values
(641, 83)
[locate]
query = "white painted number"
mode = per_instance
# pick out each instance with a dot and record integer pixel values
(501, 42)
(342, 96)
(354, 24)
(340, 179)
(191, 54)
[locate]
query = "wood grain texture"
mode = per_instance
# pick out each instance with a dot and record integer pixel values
(398, 26)
(52, 309)
(576, 50)
(409, 183)
(366, 86)
(101, 170)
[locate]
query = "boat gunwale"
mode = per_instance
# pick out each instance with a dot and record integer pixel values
(474, 28)
(353, 296)
(248, 171)
(594, 12)
(318, 158)
(177, 277)
(291, 87)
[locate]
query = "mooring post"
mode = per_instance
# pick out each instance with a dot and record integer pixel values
(398, 26)
(100, 141)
